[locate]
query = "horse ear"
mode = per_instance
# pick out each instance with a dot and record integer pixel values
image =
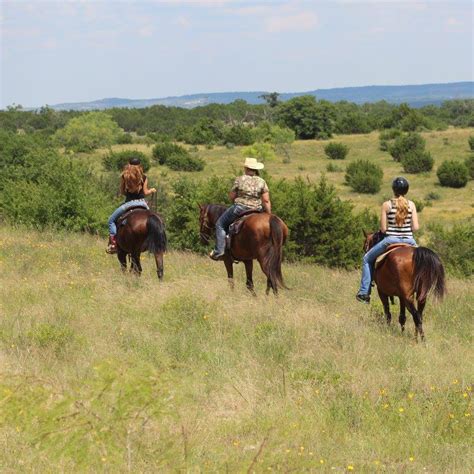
(200, 206)
(365, 232)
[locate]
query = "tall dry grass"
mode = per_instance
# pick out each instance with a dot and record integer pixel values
(106, 372)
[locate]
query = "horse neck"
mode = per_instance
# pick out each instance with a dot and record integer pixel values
(214, 211)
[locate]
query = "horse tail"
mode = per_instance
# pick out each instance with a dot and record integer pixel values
(275, 253)
(428, 274)
(156, 240)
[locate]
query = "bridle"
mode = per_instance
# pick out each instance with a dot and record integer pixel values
(205, 230)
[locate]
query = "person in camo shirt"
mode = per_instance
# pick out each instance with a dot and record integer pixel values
(249, 192)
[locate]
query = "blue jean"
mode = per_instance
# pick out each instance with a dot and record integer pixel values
(368, 261)
(120, 210)
(223, 223)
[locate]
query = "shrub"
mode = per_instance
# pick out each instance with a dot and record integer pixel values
(163, 151)
(405, 144)
(332, 168)
(364, 177)
(420, 205)
(417, 161)
(453, 174)
(238, 135)
(185, 163)
(433, 196)
(387, 136)
(471, 142)
(88, 132)
(125, 139)
(115, 161)
(336, 151)
(42, 188)
(455, 248)
(261, 151)
(469, 162)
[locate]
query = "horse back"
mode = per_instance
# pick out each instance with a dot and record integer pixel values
(132, 234)
(394, 276)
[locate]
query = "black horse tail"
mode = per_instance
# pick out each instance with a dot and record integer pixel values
(156, 240)
(428, 274)
(275, 254)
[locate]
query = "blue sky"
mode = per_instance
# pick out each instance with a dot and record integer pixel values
(65, 51)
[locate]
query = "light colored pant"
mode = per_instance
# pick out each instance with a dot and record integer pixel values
(120, 210)
(368, 261)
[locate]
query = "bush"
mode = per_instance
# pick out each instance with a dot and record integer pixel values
(332, 168)
(238, 135)
(115, 161)
(469, 162)
(453, 174)
(364, 177)
(125, 139)
(336, 151)
(405, 144)
(433, 196)
(88, 132)
(455, 248)
(387, 136)
(420, 205)
(43, 188)
(417, 161)
(261, 151)
(471, 142)
(163, 151)
(185, 163)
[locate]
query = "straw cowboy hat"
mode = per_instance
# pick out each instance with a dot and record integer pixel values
(253, 164)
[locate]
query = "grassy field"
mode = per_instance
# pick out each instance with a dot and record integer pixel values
(308, 160)
(104, 372)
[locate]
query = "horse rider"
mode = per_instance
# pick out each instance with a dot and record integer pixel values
(249, 193)
(134, 186)
(398, 221)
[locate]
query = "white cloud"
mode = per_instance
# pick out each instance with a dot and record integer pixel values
(146, 31)
(302, 21)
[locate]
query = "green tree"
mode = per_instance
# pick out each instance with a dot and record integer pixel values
(364, 177)
(307, 117)
(453, 174)
(407, 143)
(88, 132)
(259, 150)
(272, 98)
(336, 150)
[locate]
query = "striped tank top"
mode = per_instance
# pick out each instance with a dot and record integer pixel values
(398, 231)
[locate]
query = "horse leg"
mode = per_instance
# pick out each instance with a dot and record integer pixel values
(229, 266)
(249, 272)
(416, 319)
(386, 305)
(136, 265)
(159, 265)
(402, 318)
(122, 258)
(421, 307)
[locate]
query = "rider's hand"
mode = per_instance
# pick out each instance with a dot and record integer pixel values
(153, 190)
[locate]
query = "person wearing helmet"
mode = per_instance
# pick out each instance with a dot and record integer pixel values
(134, 186)
(398, 221)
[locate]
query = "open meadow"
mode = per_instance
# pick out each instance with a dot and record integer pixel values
(104, 372)
(308, 160)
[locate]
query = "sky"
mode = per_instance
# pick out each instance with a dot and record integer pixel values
(74, 51)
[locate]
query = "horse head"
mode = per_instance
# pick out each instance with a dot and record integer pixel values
(372, 238)
(205, 227)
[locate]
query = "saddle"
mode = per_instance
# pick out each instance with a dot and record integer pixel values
(390, 249)
(236, 226)
(122, 220)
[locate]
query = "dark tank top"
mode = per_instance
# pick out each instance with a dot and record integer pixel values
(138, 195)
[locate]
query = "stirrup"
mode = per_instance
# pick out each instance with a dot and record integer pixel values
(111, 249)
(216, 256)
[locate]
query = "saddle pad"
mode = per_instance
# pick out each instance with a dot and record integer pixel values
(389, 249)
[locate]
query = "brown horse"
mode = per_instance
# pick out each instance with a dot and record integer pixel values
(409, 273)
(261, 237)
(141, 230)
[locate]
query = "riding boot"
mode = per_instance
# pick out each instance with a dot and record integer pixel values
(112, 247)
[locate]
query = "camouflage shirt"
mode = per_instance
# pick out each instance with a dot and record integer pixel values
(249, 190)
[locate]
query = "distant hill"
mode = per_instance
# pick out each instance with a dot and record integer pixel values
(415, 95)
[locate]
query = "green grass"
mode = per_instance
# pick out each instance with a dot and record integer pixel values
(309, 160)
(106, 372)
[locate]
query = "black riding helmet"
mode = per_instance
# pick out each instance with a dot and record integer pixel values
(400, 186)
(134, 161)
